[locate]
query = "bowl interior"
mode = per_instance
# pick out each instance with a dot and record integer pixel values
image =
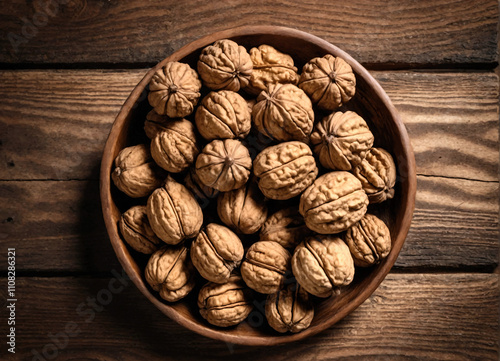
(370, 102)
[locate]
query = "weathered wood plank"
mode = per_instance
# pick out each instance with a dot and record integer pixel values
(450, 32)
(455, 225)
(410, 317)
(50, 131)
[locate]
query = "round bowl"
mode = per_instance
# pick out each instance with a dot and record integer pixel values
(370, 101)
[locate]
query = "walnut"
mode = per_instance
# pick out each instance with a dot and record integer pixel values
(135, 229)
(154, 123)
(285, 170)
(223, 114)
(174, 90)
(290, 309)
(283, 112)
(175, 147)
(341, 140)
(224, 164)
(243, 209)
(215, 252)
(136, 174)
(266, 266)
(377, 173)
(286, 226)
(321, 264)
(329, 81)
(173, 212)
(225, 304)
(369, 241)
(333, 203)
(169, 271)
(270, 66)
(199, 190)
(225, 65)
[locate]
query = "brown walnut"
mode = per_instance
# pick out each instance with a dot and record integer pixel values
(286, 226)
(215, 252)
(154, 123)
(285, 170)
(136, 174)
(328, 81)
(135, 229)
(199, 190)
(173, 212)
(174, 90)
(321, 264)
(225, 65)
(333, 203)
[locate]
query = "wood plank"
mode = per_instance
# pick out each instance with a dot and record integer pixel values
(396, 32)
(410, 317)
(455, 225)
(50, 131)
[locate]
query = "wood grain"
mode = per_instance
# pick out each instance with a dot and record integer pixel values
(395, 33)
(50, 131)
(410, 317)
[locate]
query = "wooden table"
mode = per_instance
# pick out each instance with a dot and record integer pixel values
(65, 75)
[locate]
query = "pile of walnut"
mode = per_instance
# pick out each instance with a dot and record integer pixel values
(312, 242)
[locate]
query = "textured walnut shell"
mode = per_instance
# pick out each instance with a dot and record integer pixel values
(173, 212)
(377, 174)
(322, 263)
(225, 65)
(199, 190)
(174, 90)
(155, 123)
(223, 115)
(285, 170)
(169, 271)
(224, 164)
(283, 112)
(243, 209)
(328, 81)
(266, 266)
(225, 304)
(286, 226)
(333, 203)
(341, 140)
(136, 174)
(175, 148)
(270, 66)
(215, 252)
(290, 309)
(369, 241)
(135, 229)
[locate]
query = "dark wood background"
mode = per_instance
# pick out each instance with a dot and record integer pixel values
(62, 81)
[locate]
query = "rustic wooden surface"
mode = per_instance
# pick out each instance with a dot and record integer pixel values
(63, 86)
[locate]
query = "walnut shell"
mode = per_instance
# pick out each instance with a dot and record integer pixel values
(215, 252)
(169, 271)
(224, 164)
(199, 190)
(286, 226)
(223, 115)
(369, 241)
(321, 264)
(225, 304)
(154, 123)
(341, 140)
(225, 65)
(174, 90)
(290, 309)
(175, 147)
(136, 174)
(285, 170)
(243, 209)
(270, 66)
(333, 203)
(266, 266)
(328, 81)
(135, 229)
(173, 212)
(377, 174)
(283, 112)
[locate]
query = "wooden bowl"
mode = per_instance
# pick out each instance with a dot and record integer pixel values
(370, 101)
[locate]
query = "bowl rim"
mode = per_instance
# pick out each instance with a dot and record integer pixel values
(122, 253)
